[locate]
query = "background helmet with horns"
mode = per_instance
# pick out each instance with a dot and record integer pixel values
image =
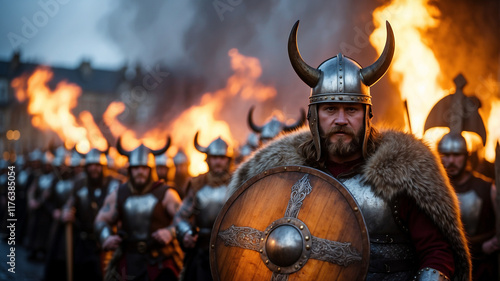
(142, 154)
(274, 127)
(339, 79)
(218, 147)
(96, 156)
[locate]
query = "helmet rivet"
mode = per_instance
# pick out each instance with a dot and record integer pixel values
(352, 98)
(332, 98)
(340, 76)
(341, 98)
(340, 69)
(341, 82)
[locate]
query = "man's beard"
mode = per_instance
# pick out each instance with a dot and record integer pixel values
(219, 172)
(95, 180)
(456, 175)
(340, 148)
(142, 185)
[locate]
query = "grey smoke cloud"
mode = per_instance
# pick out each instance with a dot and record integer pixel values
(197, 35)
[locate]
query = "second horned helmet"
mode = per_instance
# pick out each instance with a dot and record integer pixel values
(218, 147)
(141, 155)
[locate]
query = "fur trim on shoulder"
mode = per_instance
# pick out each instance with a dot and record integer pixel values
(280, 152)
(400, 164)
(403, 164)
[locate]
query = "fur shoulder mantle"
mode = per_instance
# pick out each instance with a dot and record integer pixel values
(401, 164)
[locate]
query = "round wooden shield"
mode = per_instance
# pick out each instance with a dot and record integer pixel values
(290, 223)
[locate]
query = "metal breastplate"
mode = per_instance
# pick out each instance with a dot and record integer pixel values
(208, 203)
(470, 209)
(86, 203)
(44, 181)
(137, 212)
(23, 178)
(63, 190)
(392, 255)
(377, 213)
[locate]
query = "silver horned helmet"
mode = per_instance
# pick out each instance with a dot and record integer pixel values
(339, 79)
(96, 156)
(140, 156)
(218, 147)
(272, 128)
(161, 160)
(75, 159)
(459, 113)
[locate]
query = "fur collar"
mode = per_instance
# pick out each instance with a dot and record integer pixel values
(401, 164)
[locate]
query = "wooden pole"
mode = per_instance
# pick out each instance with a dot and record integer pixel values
(69, 251)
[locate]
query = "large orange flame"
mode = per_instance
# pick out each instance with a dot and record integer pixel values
(243, 84)
(416, 70)
(51, 110)
(203, 117)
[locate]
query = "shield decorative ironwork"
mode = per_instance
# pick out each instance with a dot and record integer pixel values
(290, 223)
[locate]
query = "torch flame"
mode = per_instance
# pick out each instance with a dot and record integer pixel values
(51, 109)
(416, 70)
(243, 84)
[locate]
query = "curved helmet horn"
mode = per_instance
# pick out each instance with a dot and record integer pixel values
(252, 125)
(371, 74)
(308, 74)
(297, 124)
(162, 150)
(120, 148)
(197, 145)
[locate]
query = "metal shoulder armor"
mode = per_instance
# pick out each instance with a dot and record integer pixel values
(430, 274)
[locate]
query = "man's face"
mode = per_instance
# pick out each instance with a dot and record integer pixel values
(218, 164)
(162, 172)
(341, 124)
(454, 163)
(94, 171)
(140, 175)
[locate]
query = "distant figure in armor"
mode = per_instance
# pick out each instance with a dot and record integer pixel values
(81, 210)
(181, 176)
(476, 193)
(205, 196)
(56, 197)
(163, 171)
(24, 178)
(477, 206)
(39, 214)
(143, 210)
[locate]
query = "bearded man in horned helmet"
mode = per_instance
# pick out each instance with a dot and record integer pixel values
(408, 205)
(205, 195)
(143, 209)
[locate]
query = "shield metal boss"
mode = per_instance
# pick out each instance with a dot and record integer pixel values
(290, 223)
